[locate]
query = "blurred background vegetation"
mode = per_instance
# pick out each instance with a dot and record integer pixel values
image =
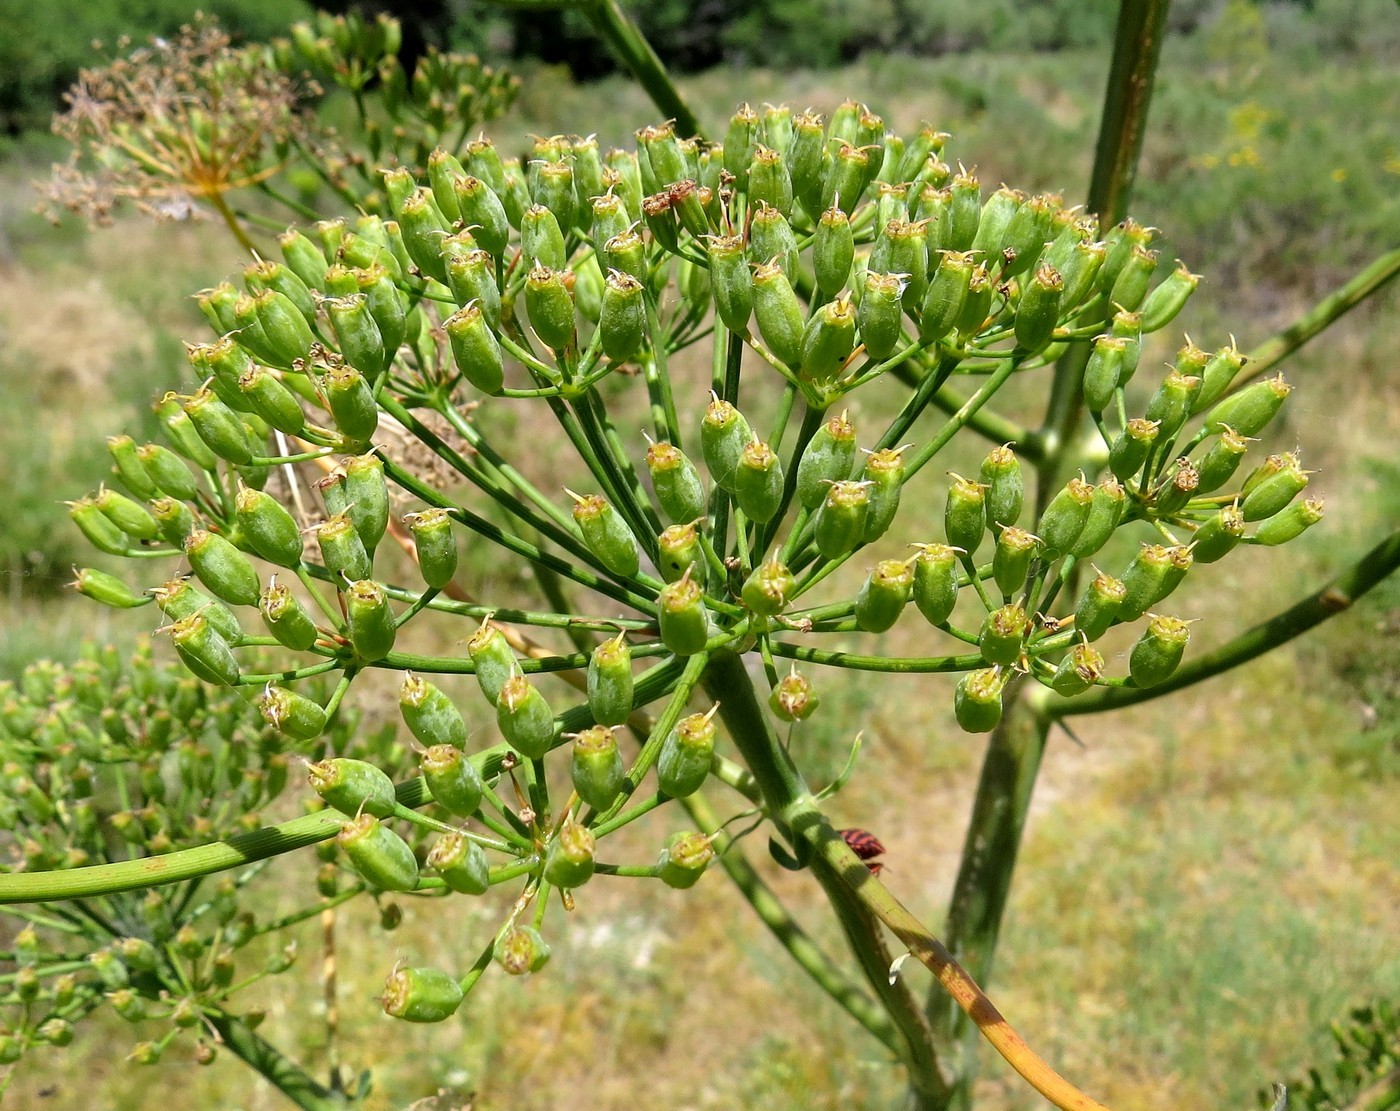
(1205, 886)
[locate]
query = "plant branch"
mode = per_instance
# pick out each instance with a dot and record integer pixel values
(1335, 597)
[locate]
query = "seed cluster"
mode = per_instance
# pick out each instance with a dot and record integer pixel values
(829, 257)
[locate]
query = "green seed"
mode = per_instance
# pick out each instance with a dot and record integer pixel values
(452, 779)
(597, 769)
(352, 786)
(840, 524)
(829, 457)
(963, 514)
(525, 718)
(381, 857)
(222, 568)
(1081, 668)
(758, 482)
(286, 618)
(977, 699)
(884, 471)
(366, 498)
(731, 282)
(204, 651)
(493, 660)
(1106, 511)
(431, 716)
(879, 317)
(679, 490)
(569, 860)
(723, 434)
(682, 618)
(686, 755)
(781, 320)
(435, 545)
(293, 714)
(267, 527)
(1130, 451)
(1289, 523)
(1249, 410)
(770, 587)
(1003, 635)
(1011, 561)
(421, 995)
(461, 863)
(884, 594)
(684, 859)
(521, 949)
(1158, 652)
(1098, 607)
(1218, 535)
(342, 551)
(369, 620)
(607, 534)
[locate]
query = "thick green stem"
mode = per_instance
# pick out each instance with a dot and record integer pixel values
(1336, 597)
(280, 1071)
(790, 934)
(787, 799)
(154, 871)
(983, 885)
(1322, 315)
(619, 32)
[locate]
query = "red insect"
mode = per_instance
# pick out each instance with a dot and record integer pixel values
(866, 846)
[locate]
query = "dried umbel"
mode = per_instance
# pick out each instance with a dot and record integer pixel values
(519, 307)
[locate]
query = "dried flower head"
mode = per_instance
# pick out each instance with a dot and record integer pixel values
(181, 121)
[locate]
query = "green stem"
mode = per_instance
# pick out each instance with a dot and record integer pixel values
(1335, 597)
(1322, 315)
(786, 800)
(154, 871)
(619, 32)
(789, 932)
(278, 1070)
(983, 885)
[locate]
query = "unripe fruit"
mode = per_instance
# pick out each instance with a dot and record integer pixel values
(879, 316)
(607, 535)
(550, 307)
(828, 339)
(369, 620)
(884, 472)
(947, 293)
(963, 514)
(1248, 411)
(1145, 580)
(770, 587)
(1003, 635)
(936, 582)
(833, 251)
(1129, 452)
(731, 281)
(352, 786)
(421, 995)
(180, 598)
(781, 320)
(686, 753)
(1221, 461)
(1106, 511)
(380, 856)
(1081, 668)
(793, 698)
(293, 714)
(723, 434)
(610, 684)
(977, 699)
(840, 524)
(221, 567)
(569, 861)
(267, 527)
(452, 779)
(431, 716)
(218, 427)
(1103, 371)
(342, 551)
(1004, 487)
(677, 551)
(758, 482)
(597, 769)
(461, 863)
(1169, 298)
(1271, 494)
(1218, 535)
(1158, 652)
(493, 659)
(1011, 561)
(541, 239)
(286, 618)
(1170, 405)
(684, 859)
(525, 718)
(475, 348)
(361, 342)
(1216, 376)
(521, 949)
(168, 471)
(435, 545)
(682, 618)
(884, 594)
(679, 490)
(106, 589)
(623, 320)
(829, 457)
(1039, 309)
(1289, 523)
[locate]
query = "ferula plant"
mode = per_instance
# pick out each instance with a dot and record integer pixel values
(706, 393)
